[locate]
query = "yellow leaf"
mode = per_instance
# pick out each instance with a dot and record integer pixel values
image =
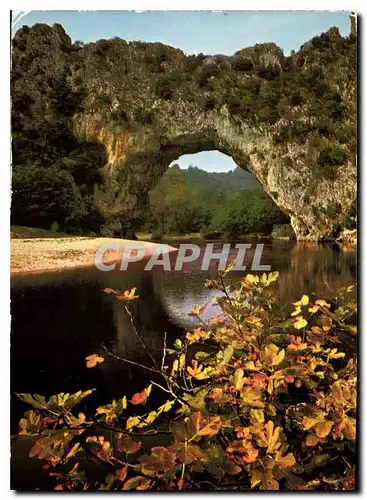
(238, 379)
(132, 422)
(128, 295)
(300, 323)
(250, 278)
(349, 429)
(272, 355)
(296, 311)
(305, 300)
(285, 460)
(322, 303)
(257, 416)
(323, 428)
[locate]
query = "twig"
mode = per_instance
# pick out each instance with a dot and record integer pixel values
(230, 301)
(131, 362)
(140, 337)
(164, 351)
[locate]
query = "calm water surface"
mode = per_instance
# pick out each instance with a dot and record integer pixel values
(59, 318)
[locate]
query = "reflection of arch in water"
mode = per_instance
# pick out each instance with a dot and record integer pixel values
(150, 318)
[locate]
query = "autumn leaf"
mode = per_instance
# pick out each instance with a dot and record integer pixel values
(269, 437)
(312, 440)
(251, 278)
(349, 428)
(203, 426)
(132, 422)
(140, 397)
(238, 379)
(264, 478)
(322, 303)
(122, 473)
(160, 460)
(272, 355)
(297, 343)
(127, 444)
(252, 397)
(256, 416)
(187, 453)
(250, 453)
(285, 460)
(137, 483)
(93, 360)
(323, 428)
(300, 322)
(198, 310)
(127, 295)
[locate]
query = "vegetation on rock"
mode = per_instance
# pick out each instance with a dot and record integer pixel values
(110, 117)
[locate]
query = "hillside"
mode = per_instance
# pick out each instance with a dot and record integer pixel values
(219, 182)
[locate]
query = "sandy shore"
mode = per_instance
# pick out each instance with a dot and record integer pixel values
(53, 254)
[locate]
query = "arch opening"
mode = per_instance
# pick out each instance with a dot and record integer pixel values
(206, 194)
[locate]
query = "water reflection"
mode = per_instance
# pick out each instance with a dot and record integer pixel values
(59, 318)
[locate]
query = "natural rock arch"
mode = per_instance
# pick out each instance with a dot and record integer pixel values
(288, 120)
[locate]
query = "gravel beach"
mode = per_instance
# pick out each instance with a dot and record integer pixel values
(53, 254)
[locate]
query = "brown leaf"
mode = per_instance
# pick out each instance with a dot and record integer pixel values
(138, 483)
(312, 440)
(128, 445)
(204, 426)
(122, 473)
(160, 459)
(187, 453)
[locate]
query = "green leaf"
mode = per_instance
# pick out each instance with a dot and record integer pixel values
(227, 354)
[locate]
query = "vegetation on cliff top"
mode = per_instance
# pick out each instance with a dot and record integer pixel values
(301, 98)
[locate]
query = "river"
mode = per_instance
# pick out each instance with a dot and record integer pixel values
(61, 317)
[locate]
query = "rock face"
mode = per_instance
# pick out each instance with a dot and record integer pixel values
(291, 121)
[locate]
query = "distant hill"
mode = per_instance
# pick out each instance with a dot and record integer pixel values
(218, 184)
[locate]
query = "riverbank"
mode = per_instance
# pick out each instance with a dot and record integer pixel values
(34, 255)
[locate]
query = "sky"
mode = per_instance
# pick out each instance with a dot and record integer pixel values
(194, 32)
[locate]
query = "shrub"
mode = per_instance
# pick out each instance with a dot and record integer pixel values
(167, 85)
(157, 235)
(255, 400)
(283, 231)
(329, 159)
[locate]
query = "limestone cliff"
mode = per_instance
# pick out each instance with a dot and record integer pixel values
(289, 120)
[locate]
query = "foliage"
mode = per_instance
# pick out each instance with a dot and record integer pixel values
(192, 200)
(249, 211)
(175, 207)
(283, 231)
(329, 159)
(54, 81)
(53, 172)
(256, 399)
